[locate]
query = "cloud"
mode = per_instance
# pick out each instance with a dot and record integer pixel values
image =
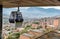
(55, 7)
(24, 7)
(45, 7)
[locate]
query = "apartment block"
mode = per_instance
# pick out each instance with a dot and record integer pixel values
(54, 21)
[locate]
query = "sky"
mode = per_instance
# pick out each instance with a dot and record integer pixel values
(35, 12)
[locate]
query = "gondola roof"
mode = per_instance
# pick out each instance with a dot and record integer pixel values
(23, 3)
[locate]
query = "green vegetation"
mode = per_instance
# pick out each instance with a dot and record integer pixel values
(15, 35)
(36, 22)
(7, 28)
(39, 27)
(59, 29)
(26, 29)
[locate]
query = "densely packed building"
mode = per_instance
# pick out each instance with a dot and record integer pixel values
(53, 21)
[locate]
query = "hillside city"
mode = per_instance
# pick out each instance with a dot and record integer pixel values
(43, 28)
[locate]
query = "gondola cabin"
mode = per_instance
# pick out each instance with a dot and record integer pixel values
(15, 16)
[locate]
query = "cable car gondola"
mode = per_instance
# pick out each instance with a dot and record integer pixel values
(15, 16)
(19, 17)
(12, 17)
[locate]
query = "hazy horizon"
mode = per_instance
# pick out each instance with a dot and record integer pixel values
(34, 12)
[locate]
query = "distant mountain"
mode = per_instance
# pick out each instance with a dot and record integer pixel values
(42, 9)
(57, 16)
(36, 12)
(41, 12)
